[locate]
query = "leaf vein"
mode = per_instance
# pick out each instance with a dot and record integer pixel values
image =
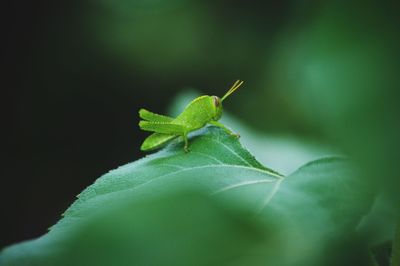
(232, 151)
(271, 195)
(208, 156)
(245, 183)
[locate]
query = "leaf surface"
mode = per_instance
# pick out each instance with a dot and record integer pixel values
(253, 211)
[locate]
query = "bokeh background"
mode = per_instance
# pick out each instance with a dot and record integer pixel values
(76, 73)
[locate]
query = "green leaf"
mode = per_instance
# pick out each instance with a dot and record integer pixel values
(213, 206)
(213, 154)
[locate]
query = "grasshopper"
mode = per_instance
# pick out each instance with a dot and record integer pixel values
(198, 113)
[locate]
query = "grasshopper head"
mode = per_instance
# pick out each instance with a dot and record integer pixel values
(217, 103)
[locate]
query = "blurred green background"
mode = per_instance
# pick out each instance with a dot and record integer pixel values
(78, 71)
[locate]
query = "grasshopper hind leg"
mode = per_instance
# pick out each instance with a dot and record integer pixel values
(156, 140)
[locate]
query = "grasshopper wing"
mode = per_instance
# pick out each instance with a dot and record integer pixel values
(152, 117)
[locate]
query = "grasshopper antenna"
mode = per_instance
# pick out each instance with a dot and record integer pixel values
(234, 87)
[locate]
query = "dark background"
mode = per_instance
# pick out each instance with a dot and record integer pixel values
(72, 109)
(76, 73)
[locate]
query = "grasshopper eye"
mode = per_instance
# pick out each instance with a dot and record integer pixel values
(217, 101)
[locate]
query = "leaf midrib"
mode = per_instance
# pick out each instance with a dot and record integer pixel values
(276, 177)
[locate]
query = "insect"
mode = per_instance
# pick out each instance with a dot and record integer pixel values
(198, 113)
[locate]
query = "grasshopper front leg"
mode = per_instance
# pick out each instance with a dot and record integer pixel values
(227, 130)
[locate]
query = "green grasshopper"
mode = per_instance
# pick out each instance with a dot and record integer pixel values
(198, 113)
